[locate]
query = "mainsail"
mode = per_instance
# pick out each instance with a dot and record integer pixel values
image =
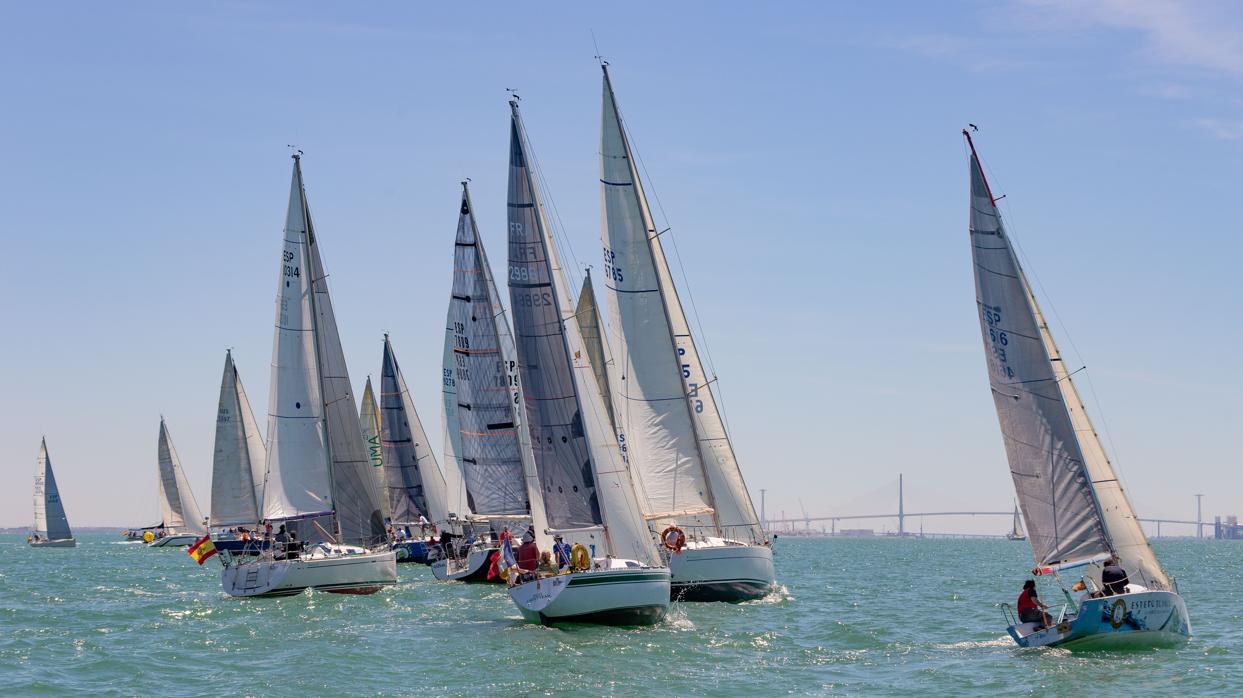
(415, 484)
(317, 459)
(50, 520)
(583, 476)
(1072, 501)
(178, 507)
(675, 436)
(240, 457)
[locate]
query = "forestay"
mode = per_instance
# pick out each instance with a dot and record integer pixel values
(239, 458)
(1072, 501)
(50, 520)
(486, 378)
(675, 436)
(415, 484)
(178, 507)
(584, 478)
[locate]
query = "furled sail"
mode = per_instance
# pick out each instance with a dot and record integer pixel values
(584, 478)
(369, 418)
(178, 507)
(416, 486)
(485, 377)
(675, 436)
(1072, 501)
(240, 456)
(50, 520)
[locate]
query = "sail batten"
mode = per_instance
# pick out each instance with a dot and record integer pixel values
(50, 520)
(1072, 503)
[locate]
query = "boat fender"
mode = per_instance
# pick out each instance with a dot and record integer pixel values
(580, 557)
(148, 536)
(673, 538)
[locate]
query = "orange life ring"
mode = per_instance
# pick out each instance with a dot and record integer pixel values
(673, 538)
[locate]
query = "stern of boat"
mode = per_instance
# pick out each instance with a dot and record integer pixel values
(1135, 620)
(726, 571)
(613, 596)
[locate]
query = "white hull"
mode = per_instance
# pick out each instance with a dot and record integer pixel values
(473, 569)
(618, 596)
(337, 568)
(58, 543)
(722, 572)
(173, 541)
(1136, 619)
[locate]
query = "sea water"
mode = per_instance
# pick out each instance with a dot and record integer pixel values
(877, 616)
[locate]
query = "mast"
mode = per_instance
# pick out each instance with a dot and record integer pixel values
(1046, 428)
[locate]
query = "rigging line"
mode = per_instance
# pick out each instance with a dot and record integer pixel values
(560, 239)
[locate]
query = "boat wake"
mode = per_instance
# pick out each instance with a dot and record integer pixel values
(1002, 641)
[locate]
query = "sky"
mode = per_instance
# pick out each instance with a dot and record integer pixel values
(808, 159)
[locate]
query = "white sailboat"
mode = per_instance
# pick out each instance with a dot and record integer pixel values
(1076, 512)
(491, 447)
(237, 465)
(413, 480)
(1016, 528)
(579, 471)
(688, 476)
(51, 524)
(182, 520)
(318, 480)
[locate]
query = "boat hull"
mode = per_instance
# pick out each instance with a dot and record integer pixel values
(411, 551)
(58, 543)
(628, 596)
(730, 573)
(237, 546)
(340, 570)
(173, 541)
(475, 568)
(1136, 620)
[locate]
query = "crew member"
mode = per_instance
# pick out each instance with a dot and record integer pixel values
(528, 554)
(1031, 608)
(1114, 578)
(561, 551)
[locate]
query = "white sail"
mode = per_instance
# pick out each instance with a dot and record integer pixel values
(455, 484)
(369, 418)
(675, 436)
(588, 314)
(50, 520)
(416, 486)
(297, 483)
(178, 507)
(240, 456)
(1072, 501)
(584, 478)
(1016, 528)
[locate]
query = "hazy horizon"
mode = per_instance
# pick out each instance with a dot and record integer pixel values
(810, 162)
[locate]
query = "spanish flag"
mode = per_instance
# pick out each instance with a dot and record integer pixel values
(202, 549)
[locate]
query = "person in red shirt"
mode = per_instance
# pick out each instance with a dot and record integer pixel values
(528, 554)
(1031, 608)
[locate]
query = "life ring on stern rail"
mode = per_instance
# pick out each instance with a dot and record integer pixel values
(580, 557)
(673, 538)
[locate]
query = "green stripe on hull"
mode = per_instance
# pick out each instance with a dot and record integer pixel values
(617, 579)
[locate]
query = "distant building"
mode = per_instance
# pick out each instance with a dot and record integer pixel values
(1230, 530)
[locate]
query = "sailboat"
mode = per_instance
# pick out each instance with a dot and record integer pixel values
(415, 485)
(1016, 528)
(580, 473)
(369, 418)
(491, 448)
(237, 467)
(691, 485)
(1078, 516)
(182, 522)
(51, 525)
(318, 482)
